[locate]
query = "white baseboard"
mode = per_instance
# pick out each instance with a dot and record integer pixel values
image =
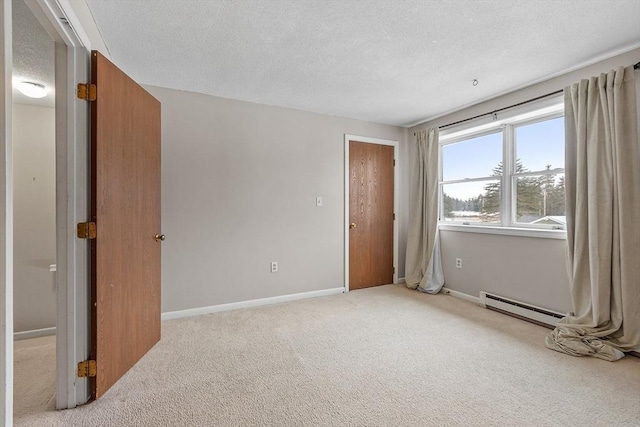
(401, 281)
(461, 295)
(34, 333)
(204, 310)
(246, 304)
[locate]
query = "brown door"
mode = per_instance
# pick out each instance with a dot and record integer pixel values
(125, 205)
(370, 214)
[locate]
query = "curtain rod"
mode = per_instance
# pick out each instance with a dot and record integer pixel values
(502, 109)
(635, 67)
(499, 109)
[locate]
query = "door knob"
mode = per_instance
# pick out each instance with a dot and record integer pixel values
(352, 225)
(159, 237)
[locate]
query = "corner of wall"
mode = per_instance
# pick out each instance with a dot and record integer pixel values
(81, 20)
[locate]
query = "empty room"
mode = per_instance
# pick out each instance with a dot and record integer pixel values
(320, 213)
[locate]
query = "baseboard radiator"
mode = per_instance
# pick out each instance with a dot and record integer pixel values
(521, 310)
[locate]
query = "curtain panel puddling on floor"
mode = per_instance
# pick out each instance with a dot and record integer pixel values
(423, 266)
(603, 218)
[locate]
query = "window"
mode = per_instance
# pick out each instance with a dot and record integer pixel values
(505, 172)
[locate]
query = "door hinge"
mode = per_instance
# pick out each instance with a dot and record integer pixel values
(394, 216)
(87, 91)
(394, 270)
(87, 368)
(394, 162)
(87, 230)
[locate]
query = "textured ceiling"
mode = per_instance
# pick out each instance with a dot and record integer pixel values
(387, 61)
(33, 55)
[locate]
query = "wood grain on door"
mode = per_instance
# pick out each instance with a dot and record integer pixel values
(371, 214)
(125, 204)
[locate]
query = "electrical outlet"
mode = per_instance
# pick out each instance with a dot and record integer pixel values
(458, 262)
(274, 266)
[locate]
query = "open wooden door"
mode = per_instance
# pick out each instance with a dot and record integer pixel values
(125, 206)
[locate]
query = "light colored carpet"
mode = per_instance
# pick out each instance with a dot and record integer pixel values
(34, 375)
(385, 356)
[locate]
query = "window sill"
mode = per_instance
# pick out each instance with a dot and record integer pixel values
(506, 231)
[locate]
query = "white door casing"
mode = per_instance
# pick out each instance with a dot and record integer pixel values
(72, 129)
(6, 221)
(72, 173)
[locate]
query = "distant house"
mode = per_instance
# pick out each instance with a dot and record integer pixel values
(549, 219)
(529, 219)
(552, 220)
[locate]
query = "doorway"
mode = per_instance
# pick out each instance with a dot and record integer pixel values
(34, 213)
(77, 364)
(371, 206)
(71, 203)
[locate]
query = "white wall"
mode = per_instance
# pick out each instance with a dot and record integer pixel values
(34, 217)
(239, 182)
(528, 269)
(523, 268)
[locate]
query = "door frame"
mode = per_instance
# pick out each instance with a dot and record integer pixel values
(396, 192)
(6, 219)
(72, 47)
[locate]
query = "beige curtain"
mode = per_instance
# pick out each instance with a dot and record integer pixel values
(423, 266)
(603, 218)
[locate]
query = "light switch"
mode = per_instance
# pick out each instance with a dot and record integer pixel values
(318, 201)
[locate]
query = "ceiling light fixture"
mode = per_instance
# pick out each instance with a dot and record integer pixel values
(475, 82)
(32, 90)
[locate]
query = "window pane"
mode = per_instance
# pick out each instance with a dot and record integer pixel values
(540, 146)
(472, 202)
(540, 200)
(472, 158)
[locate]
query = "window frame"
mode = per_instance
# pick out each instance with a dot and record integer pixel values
(442, 182)
(507, 124)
